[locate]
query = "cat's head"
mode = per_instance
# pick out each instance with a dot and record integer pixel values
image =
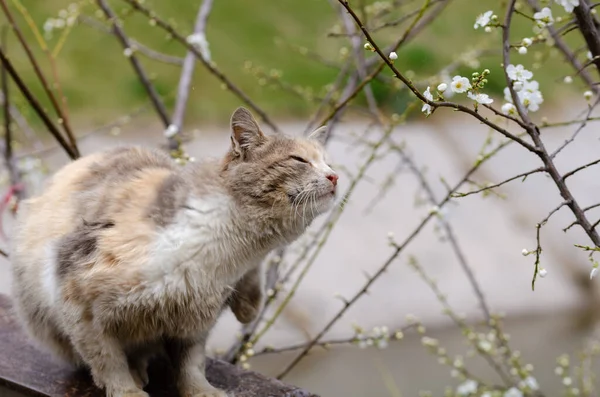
(289, 176)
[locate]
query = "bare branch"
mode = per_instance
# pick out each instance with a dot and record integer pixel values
(135, 45)
(187, 72)
(37, 107)
(64, 120)
(523, 175)
(135, 63)
(576, 170)
(209, 65)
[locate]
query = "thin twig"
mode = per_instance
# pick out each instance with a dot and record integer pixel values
(448, 230)
(135, 45)
(523, 175)
(135, 63)
(36, 106)
(576, 170)
(578, 130)
(383, 268)
(325, 344)
(538, 249)
(64, 120)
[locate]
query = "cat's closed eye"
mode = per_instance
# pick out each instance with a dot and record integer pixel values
(300, 159)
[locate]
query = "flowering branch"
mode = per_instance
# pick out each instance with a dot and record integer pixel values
(398, 248)
(419, 95)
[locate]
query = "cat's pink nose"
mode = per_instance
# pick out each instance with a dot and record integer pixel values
(333, 178)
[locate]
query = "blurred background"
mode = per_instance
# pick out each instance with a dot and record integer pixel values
(286, 55)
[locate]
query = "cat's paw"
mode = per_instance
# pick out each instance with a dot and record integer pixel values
(245, 313)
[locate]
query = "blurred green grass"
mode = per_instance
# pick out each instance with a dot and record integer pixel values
(100, 84)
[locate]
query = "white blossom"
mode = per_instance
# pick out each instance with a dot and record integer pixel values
(531, 382)
(568, 80)
(442, 87)
(522, 50)
(485, 345)
(524, 252)
(568, 5)
(544, 17)
(588, 95)
(426, 107)
(518, 85)
(487, 29)
(467, 387)
(543, 273)
(483, 99)
(593, 272)
(589, 55)
(49, 25)
(513, 392)
(393, 56)
(518, 73)
(460, 84)
(527, 41)
(483, 19)
(128, 52)
(567, 381)
(528, 93)
(171, 131)
(509, 108)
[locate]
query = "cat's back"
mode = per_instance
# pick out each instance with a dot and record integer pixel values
(97, 188)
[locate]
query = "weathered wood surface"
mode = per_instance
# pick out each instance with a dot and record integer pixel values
(29, 372)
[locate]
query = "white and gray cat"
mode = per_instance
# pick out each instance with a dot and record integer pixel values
(126, 253)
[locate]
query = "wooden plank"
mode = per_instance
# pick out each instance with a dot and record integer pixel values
(30, 372)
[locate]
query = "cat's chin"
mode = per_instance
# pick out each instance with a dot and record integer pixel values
(325, 202)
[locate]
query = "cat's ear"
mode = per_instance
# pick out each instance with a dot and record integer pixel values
(319, 135)
(245, 132)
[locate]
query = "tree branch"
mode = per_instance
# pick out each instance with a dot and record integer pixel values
(135, 63)
(36, 106)
(210, 66)
(187, 72)
(57, 108)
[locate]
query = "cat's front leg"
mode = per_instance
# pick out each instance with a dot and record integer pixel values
(247, 298)
(107, 361)
(189, 359)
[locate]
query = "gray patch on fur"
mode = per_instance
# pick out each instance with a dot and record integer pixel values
(170, 197)
(78, 246)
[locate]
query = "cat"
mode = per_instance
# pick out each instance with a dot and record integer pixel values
(125, 252)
